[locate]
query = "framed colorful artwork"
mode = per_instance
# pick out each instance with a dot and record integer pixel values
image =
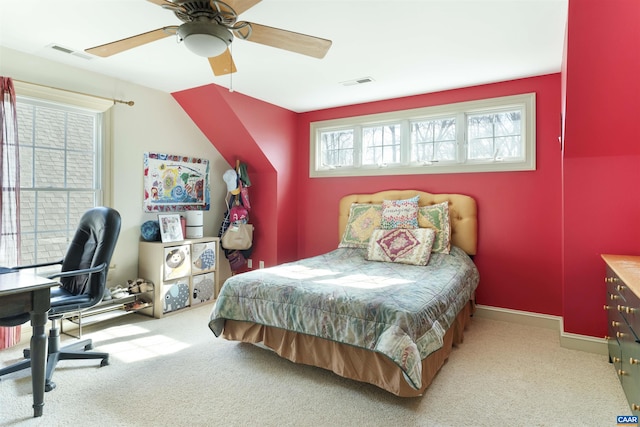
(175, 183)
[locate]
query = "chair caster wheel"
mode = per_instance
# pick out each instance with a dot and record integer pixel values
(105, 362)
(49, 385)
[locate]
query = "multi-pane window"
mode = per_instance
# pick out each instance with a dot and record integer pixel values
(433, 140)
(337, 148)
(381, 145)
(478, 136)
(60, 154)
(495, 136)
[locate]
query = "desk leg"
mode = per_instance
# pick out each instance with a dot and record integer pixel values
(38, 344)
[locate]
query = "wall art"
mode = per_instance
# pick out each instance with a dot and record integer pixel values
(175, 183)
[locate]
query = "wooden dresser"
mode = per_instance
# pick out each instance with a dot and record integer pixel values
(623, 315)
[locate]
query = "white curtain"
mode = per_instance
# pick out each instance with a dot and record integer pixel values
(10, 184)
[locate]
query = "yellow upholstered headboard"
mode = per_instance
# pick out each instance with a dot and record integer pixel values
(462, 212)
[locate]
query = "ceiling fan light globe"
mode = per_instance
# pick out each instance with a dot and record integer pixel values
(205, 38)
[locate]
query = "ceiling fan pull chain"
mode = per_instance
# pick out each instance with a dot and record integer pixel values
(230, 67)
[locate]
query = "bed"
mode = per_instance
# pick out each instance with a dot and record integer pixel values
(369, 314)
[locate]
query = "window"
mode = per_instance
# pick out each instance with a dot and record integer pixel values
(60, 174)
(488, 135)
(337, 148)
(433, 140)
(381, 144)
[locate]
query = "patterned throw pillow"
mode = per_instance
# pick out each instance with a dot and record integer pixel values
(363, 219)
(400, 213)
(437, 218)
(402, 245)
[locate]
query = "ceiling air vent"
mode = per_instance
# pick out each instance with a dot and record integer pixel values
(68, 51)
(357, 81)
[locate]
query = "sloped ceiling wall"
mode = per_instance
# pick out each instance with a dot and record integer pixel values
(262, 136)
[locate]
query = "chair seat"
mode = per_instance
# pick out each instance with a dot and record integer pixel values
(15, 320)
(63, 301)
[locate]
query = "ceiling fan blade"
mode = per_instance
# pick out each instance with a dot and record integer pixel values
(112, 48)
(239, 6)
(169, 5)
(283, 39)
(222, 64)
(161, 2)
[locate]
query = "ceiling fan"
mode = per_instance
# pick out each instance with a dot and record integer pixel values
(209, 27)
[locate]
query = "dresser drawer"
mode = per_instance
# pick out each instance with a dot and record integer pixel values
(624, 300)
(629, 370)
(615, 355)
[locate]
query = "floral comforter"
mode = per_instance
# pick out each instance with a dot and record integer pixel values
(399, 310)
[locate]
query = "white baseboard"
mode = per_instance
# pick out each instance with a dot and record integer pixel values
(567, 340)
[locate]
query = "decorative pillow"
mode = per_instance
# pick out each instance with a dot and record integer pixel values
(437, 218)
(402, 245)
(400, 213)
(363, 219)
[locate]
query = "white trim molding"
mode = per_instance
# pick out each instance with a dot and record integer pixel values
(567, 340)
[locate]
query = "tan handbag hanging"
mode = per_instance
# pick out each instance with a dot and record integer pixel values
(238, 236)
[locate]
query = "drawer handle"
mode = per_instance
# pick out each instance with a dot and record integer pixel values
(613, 297)
(606, 307)
(615, 323)
(621, 287)
(635, 407)
(610, 279)
(616, 360)
(620, 334)
(634, 361)
(621, 372)
(628, 310)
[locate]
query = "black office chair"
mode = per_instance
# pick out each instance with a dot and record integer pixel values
(83, 279)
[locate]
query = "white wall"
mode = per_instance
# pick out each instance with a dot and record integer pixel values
(156, 123)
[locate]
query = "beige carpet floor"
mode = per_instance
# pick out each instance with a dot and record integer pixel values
(175, 372)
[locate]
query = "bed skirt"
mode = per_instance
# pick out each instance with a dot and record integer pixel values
(348, 361)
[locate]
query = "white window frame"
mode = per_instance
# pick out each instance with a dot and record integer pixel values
(525, 102)
(70, 101)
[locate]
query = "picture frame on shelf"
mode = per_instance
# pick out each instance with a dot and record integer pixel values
(170, 228)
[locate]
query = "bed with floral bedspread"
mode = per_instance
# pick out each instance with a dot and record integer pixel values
(401, 311)
(385, 307)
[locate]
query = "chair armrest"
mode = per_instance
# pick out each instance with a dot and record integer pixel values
(45, 264)
(72, 273)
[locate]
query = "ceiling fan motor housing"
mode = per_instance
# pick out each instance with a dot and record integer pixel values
(205, 38)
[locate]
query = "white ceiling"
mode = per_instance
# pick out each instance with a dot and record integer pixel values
(406, 47)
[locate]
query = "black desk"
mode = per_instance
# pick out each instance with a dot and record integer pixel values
(23, 291)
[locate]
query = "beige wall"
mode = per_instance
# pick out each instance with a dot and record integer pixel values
(156, 123)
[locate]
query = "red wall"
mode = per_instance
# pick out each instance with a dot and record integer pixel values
(601, 158)
(519, 248)
(542, 232)
(262, 136)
